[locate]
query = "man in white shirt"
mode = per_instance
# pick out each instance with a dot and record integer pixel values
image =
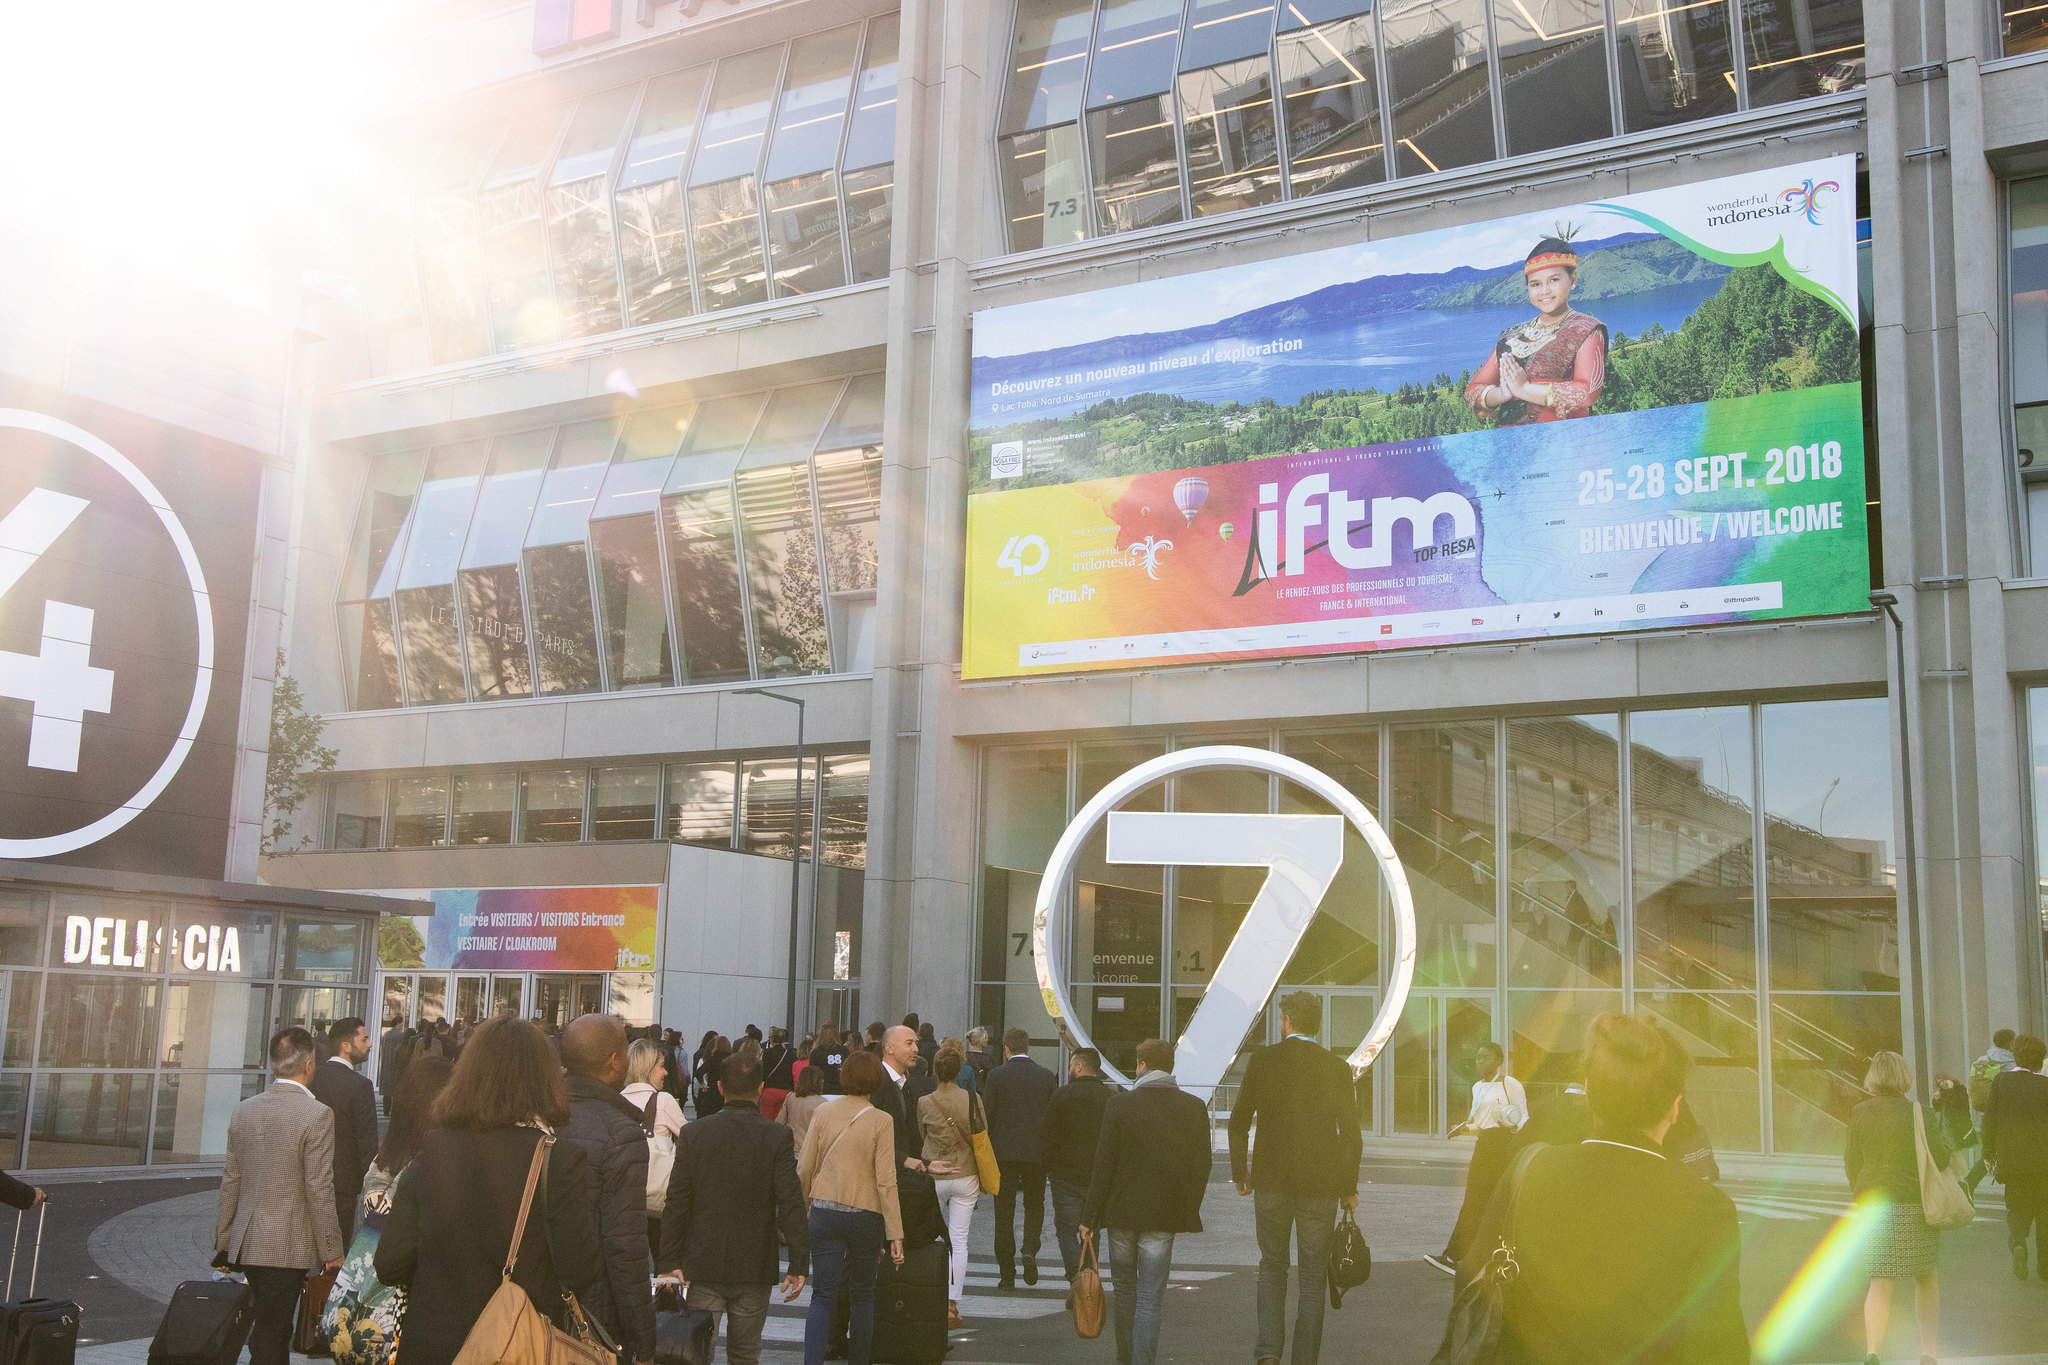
(1499, 1109)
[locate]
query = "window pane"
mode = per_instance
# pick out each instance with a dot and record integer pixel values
(419, 812)
(846, 811)
(803, 234)
(700, 803)
(580, 219)
(1048, 57)
(835, 937)
(1341, 946)
(850, 499)
(1553, 72)
(1691, 786)
(1564, 829)
(88, 1119)
(430, 640)
(871, 141)
(101, 1021)
(451, 274)
(1443, 831)
(216, 1025)
(636, 641)
(791, 427)
(355, 815)
(319, 950)
(192, 1114)
(1023, 810)
(371, 568)
(1725, 1092)
(1329, 81)
(1137, 173)
(557, 560)
(1827, 846)
(1225, 30)
(622, 803)
(1117, 939)
(766, 791)
(1799, 48)
(218, 941)
(811, 113)
(22, 1009)
(23, 915)
(2027, 267)
(1821, 1046)
(1436, 63)
(1134, 50)
(315, 1008)
(483, 807)
(653, 238)
(1546, 1037)
(1676, 61)
(781, 541)
(551, 806)
(870, 202)
(642, 461)
(704, 568)
(723, 200)
(370, 649)
(433, 646)
(2023, 25)
(493, 604)
(514, 248)
(1044, 188)
(1233, 151)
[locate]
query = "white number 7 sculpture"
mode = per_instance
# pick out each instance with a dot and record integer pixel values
(1302, 854)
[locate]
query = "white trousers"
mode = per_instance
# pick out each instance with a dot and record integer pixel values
(958, 1197)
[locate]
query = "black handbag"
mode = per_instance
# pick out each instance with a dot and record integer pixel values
(1477, 1332)
(1350, 1258)
(682, 1335)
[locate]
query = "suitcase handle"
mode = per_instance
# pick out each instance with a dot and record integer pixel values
(14, 1255)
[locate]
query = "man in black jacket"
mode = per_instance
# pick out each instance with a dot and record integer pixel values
(1622, 1254)
(614, 1145)
(1151, 1170)
(1066, 1142)
(2016, 1148)
(1306, 1163)
(1015, 1099)
(337, 1084)
(734, 1185)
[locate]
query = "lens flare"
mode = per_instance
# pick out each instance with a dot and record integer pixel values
(1801, 1311)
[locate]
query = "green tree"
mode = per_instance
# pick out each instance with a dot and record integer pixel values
(296, 758)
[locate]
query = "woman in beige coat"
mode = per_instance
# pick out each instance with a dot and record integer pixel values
(848, 1171)
(945, 1118)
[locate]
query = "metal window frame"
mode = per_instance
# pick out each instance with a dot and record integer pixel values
(518, 568)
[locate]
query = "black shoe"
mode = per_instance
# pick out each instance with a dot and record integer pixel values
(2019, 1262)
(1442, 1263)
(835, 1353)
(1030, 1270)
(1070, 1303)
(1007, 1282)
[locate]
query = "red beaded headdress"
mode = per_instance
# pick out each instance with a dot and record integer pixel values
(1556, 250)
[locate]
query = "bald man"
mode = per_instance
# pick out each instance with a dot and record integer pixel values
(899, 1054)
(608, 1130)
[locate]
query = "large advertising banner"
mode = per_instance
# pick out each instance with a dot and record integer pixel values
(1637, 413)
(524, 929)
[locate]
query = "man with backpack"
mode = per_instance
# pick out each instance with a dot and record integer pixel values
(1997, 1058)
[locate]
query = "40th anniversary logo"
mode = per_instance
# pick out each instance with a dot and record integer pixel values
(1301, 853)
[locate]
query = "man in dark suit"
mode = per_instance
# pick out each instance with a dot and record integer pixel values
(734, 1186)
(1151, 1170)
(1623, 1255)
(1066, 1141)
(2016, 1147)
(1305, 1164)
(899, 1056)
(337, 1084)
(1015, 1100)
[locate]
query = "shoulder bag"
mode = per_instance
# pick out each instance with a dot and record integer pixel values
(1478, 1332)
(661, 1156)
(363, 1313)
(511, 1331)
(985, 1168)
(1944, 1203)
(1088, 1294)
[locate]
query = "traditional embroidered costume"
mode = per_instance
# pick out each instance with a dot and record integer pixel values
(1569, 356)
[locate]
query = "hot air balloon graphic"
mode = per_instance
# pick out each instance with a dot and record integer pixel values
(1226, 529)
(1189, 495)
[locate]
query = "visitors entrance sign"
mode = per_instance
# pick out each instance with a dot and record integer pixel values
(1636, 413)
(1301, 853)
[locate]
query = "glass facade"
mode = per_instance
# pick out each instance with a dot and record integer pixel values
(1122, 114)
(1726, 870)
(734, 539)
(740, 804)
(768, 174)
(2022, 26)
(2027, 353)
(134, 1025)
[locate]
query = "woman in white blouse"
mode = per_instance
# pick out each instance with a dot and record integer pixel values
(646, 1068)
(1499, 1109)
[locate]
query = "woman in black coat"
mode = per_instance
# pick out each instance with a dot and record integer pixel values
(1883, 1164)
(450, 1226)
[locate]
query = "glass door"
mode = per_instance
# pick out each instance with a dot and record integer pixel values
(507, 994)
(1432, 1052)
(471, 999)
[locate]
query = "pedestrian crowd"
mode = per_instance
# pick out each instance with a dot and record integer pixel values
(560, 1171)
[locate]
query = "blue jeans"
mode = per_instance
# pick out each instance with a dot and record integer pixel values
(1066, 1225)
(1139, 1264)
(844, 1242)
(1311, 1223)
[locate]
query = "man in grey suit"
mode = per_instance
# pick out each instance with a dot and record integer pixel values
(276, 1217)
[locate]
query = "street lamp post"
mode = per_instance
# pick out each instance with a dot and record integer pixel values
(796, 844)
(1887, 603)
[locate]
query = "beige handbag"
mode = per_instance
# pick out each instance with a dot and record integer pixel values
(1944, 1202)
(511, 1330)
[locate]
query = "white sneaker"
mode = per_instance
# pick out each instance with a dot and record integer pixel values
(1442, 1263)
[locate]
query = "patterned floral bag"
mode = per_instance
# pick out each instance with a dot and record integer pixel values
(364, 1314)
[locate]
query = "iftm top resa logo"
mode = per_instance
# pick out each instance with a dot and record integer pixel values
(116, 712)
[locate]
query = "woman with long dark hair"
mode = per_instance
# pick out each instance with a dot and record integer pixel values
(826, 1056)
(449, 1234)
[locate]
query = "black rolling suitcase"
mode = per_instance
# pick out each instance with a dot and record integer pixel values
(35, 1331)
(910, 1308)
(207, 1323)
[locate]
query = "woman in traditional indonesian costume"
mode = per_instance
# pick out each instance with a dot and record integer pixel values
(1552, 366)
